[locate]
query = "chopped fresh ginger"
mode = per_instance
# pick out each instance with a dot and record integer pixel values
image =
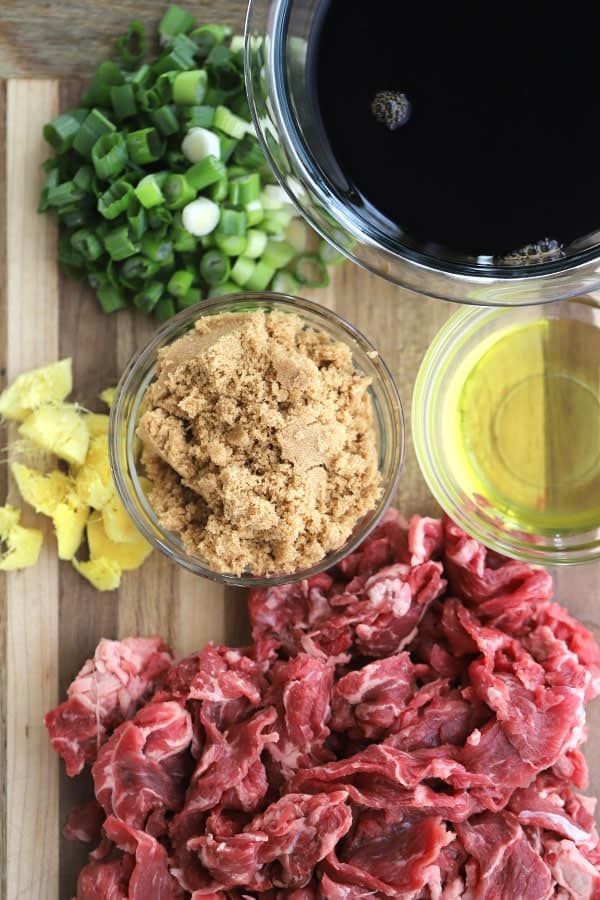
(104, 574)
(60, 430)
(23, 545)
(49, 384)
(43, 492)
(69, 519)
(129, 555)
(97, 423)
(107, 395)
(94, 479)
(117, 522)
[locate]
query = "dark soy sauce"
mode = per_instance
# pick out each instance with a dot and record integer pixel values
(499, 150)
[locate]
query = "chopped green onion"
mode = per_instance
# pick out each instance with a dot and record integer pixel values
(208, 36)
(228, 145)
(277, 220)
(164, 86)
(123, 102)
(285, 283)
(206, 172)
(311, 271)
(237, 43)
(230, 244)
(198, 116)
(157, 248)
(223, 67)
(189, 88)
(218, 191)
(131, 46)
(93, 127)
(85, 242)
(148, 297)
(215, 96)
(180, 282)
(64, 194)
(136, 217)
(73, 216)
(257, 241)
(136, 269)
(175, 21)
(219, 290)
(52, 179)
(214, 267)
(111, 298)
(193, 296)
(278, 254)
(201, 216)
(144, 146)
(106, 76)
(329, 254)
(165, 309)
(180, 56)
(141, 77)
(109, 155)
(118, 243)
(60, 132)
(248, 153)
(159, 219)
(83, 177)
(297, 234)
(242, 270)
(233, 221)
(199, 143)
(260, 278)
(115, 199)
(149, 192)
(244, 189)
(178, 191)
(254, 212)
(229, 123)
(165, 120)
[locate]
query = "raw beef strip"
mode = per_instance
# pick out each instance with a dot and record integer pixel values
(132, 775)
(550, 803)
(425, 539)
(503, 862)
(437, 714)
(300, 691)
(281, 846)
(571, 870)
(367, 702)
(150, 878)
(388, 859)
(84, 823)
(107, 879)
(108, 689)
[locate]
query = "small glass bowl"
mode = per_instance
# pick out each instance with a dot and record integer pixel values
(447, 364)
(388, 422)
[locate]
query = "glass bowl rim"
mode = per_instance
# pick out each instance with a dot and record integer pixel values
(144, 359)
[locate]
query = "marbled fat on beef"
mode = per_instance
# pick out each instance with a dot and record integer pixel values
(406, 725)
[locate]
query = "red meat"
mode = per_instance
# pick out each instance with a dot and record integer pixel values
(107, 691)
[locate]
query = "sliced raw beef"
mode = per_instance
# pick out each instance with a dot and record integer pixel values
(407, 725)
(108, 690)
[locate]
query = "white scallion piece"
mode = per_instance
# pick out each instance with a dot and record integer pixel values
(274, 197)
(201, 216)
(199, 143)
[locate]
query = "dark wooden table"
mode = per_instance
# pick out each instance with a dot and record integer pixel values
(50, 620)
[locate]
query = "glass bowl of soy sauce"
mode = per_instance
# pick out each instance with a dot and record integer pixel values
(445, 148)
(506, 428)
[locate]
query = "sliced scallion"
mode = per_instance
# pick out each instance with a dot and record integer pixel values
(189, 88)
(214, 267)
(311, 271)
(118, 243)
(145, 145)
(93, 127)
(115, 199)
(109, 155)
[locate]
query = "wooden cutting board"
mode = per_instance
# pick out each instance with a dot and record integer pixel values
(50, 618)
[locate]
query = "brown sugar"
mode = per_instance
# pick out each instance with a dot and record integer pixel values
(258, 438)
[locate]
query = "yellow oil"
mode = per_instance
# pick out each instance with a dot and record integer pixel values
(528, 427)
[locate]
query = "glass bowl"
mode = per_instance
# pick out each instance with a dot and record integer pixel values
(563, 536)
(388, 424)
(286, 120)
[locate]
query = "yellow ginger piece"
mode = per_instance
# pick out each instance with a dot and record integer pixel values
(42, 491)
(69, 519)
(96, 423)
(117, 522)
(60, 430)
(93, 481)
(129, 555)
(104, 574)
(107, 396)
(23, 545)
(49, 384)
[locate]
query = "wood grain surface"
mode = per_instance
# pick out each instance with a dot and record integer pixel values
(50, 619)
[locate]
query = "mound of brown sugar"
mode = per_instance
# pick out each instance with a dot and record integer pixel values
(259, 441)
